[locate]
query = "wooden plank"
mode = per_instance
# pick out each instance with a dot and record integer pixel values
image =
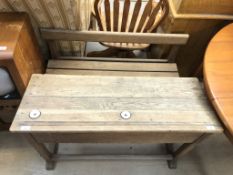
(39, 147)
(125, 86)
(97, 14)
(155, 107)
(120, 66)
(116, 15)
(150, 138)
(100, 36)
(185, 148)
(112, 59)
(161, 18)
(83, 104)
(125, 15)
(135, 15)
(146, 13)
(54, 49)
(62, 157)
(110, 73)
(152, 16)
(107, 15)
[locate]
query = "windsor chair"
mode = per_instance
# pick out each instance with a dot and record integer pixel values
(127, 16)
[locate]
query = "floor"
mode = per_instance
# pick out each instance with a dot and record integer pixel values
(214, 156)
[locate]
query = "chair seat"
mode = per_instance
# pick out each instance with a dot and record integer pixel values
(98, 47)
(126, 46)
(111, 66)
(6, 84)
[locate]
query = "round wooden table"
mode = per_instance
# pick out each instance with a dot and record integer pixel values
(218, 75)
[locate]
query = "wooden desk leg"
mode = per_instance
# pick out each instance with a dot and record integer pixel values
(182, 150)
(172, 164)
(43, 151)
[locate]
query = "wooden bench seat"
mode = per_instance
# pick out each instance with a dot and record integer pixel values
(112, 66)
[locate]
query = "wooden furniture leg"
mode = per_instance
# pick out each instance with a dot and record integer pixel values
(43, 151)
(182, 150)
(3, 125)
(51, 157)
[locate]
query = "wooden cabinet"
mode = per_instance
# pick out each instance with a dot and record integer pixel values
(204, 6)
(201, 19)
(19, 55)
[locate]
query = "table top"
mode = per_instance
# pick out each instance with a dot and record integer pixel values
(218, 74)
(80, 104)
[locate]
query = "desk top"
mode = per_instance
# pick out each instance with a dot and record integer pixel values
(81, 104)
(218, 74)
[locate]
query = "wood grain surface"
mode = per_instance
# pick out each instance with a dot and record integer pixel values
(218, 74)
(201, 19)
(22, 56)
(92, 104)
(112, 66)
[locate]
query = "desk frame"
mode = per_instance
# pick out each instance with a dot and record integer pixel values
(51, 157)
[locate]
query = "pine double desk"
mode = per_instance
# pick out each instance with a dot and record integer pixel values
(218, 76)
(114, 109)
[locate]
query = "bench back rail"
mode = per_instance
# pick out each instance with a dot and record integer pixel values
(176, 40)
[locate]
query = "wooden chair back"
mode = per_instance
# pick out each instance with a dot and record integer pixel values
(142, 19)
